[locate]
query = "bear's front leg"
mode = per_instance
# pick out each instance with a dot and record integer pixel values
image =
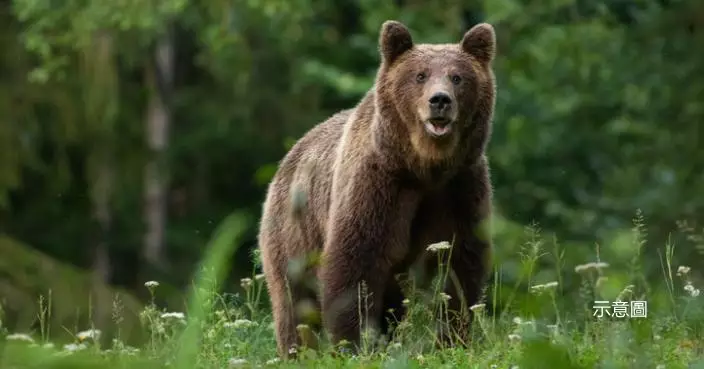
(368, 232)
(471, 255)
(469, 266)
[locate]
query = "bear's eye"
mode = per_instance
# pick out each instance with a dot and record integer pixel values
(420, 77)
(456, 79)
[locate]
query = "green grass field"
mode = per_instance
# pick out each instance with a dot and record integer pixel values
(540, 325)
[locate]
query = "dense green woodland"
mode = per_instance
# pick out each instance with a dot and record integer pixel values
(130, 129)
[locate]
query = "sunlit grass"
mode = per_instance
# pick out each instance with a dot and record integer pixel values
(541, 323)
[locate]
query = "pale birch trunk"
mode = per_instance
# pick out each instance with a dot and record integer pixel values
(100, 97)
(155, 174)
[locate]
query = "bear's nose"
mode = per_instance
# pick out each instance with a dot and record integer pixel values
(440, 101)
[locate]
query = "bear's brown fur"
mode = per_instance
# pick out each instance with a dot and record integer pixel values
(371, 187)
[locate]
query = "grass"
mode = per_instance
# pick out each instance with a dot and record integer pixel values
(524, 324)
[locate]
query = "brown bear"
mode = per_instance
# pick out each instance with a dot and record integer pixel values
(371, 187)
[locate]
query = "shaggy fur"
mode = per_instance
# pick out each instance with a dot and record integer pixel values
(359, 198)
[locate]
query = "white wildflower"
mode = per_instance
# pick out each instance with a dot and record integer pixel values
(539, 288)
(514, 337)
(406, 301)
(241, 324)
(445, 297)
(210, 333)
(234, 363)
(477, 307)
(151, 284)
(683, 270)
(246, 282)
(259, 277)
(71, 347)
(435, 247)
(129, 350)
(173, 315)
(524, 323)
(590, 266)
(272, 361)
(292, 350)
(20, 337)
(694, 292)
(91, 333)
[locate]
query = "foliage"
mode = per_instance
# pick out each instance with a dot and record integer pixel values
(544, 326)
(597, 116)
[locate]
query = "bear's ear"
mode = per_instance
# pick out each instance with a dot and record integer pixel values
(394, 40)
(480, 41)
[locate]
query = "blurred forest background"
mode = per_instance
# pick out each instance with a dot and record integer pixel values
(129, 129)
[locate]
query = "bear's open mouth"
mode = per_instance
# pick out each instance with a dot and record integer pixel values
(438, 126)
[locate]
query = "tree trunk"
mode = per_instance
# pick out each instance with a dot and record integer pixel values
(155, 175)
(101, 107)
(102, 193)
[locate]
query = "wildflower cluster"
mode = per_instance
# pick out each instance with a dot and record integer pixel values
(683, 272)
(234, 332)
(540, 288)
(435, 247)
(596, 266)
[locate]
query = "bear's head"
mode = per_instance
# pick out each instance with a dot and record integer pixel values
(442, 95)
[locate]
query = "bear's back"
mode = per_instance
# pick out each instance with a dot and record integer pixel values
(316, 149)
